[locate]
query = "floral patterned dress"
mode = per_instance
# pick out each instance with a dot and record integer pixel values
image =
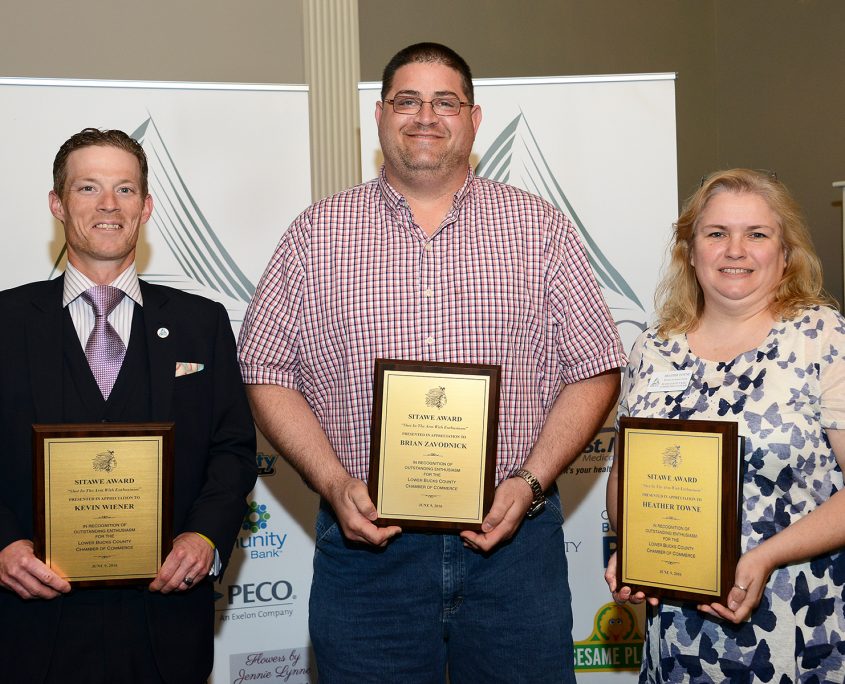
(783, 395)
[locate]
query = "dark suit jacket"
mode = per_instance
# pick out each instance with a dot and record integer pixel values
(214, 470)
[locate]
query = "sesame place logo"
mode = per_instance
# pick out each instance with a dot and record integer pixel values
(256, 538)
(616, 642)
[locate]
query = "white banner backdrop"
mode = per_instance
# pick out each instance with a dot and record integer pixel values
(602, 149)
(229, 170)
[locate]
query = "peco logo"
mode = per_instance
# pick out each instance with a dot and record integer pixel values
(258, 600)
(260, 592)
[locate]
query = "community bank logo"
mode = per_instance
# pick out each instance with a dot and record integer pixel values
(266, 464)
(257, 517)
(188, 253)
(256, 538)
(515, 157)
(615, 643)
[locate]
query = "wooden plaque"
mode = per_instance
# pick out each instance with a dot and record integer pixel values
(433, 443)
(678, 507)
(103, 500)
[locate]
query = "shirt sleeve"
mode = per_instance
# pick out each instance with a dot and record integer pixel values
(587, 340)
(832, 370)
(630, 376)
(269, 341)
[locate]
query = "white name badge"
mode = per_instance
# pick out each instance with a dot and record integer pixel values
(671, 381)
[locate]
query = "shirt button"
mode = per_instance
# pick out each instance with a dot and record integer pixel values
(429, 292)
(428, 247)
(429, 340)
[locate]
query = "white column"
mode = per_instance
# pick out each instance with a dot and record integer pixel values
(332, 71)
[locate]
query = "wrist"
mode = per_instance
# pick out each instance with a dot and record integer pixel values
(538, 498)
(207, 540)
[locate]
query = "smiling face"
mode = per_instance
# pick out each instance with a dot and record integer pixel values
(425, 147)
(102, 210)
(737, 252)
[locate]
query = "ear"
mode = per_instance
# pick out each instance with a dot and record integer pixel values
(148, 209)
(379, 110)
(56, 207)
(476, 117)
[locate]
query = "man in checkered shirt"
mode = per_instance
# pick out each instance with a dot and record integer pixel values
(430, 263)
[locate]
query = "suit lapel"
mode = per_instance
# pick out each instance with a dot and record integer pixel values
(160, 351)
(44, 328)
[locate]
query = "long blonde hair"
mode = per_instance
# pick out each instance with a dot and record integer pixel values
(679, 299)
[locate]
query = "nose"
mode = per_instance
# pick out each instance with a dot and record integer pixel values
(426, 115)
(735, 247)
(108, 202)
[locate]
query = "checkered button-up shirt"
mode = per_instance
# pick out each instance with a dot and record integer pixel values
(504, 280)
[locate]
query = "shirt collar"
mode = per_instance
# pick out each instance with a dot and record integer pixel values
(394, 198)
(76, 283)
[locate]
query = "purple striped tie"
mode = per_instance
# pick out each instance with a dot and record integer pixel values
(105, 350)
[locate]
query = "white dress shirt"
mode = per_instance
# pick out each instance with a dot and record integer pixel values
(82, 313)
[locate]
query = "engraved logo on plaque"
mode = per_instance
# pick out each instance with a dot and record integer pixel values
(105, 461)
(436, 397)
(672, 456)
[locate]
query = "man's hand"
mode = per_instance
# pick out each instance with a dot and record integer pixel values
(190, 558)
(355, 513)
(27, 576)
(510, 503)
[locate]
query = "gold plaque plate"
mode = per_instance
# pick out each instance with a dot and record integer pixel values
(433, 450)
(103, 500)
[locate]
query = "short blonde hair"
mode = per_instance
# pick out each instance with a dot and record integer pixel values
(679, 299)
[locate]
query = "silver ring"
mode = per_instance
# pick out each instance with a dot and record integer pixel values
(188, 581)
(739, 586)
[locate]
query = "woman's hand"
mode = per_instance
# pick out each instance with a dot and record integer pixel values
(624, 594)
(752, 573)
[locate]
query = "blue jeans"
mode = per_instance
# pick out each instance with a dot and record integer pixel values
(407, 612)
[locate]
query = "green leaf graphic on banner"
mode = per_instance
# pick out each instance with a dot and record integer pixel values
(187, 233)
(185, 230)
(534, 174)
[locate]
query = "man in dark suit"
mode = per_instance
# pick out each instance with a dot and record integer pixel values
(175, 362)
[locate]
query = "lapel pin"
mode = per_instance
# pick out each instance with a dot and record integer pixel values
(162, 332)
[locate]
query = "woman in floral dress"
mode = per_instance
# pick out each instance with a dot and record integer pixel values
(742, 309)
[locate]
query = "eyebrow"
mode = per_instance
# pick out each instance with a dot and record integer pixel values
(439, 93)
(97, 180)
(755, 226)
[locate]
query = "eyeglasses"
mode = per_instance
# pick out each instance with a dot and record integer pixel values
(442, 106)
